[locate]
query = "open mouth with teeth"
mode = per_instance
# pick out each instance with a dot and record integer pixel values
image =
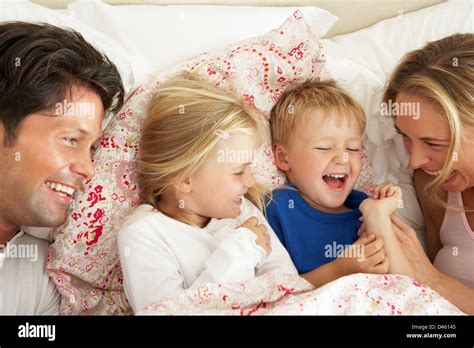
(336, 181)
(432, 172)
(62, 190)
(438, 172)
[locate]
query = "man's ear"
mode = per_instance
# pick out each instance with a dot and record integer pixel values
(184, 186)
(280, 156)
(2, 135)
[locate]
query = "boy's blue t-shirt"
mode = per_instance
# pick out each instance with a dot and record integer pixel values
(312, 237)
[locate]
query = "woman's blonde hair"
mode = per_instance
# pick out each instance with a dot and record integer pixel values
(442, 72)
(179, 134)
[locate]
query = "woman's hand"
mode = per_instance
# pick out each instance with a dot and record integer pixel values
(423, 270)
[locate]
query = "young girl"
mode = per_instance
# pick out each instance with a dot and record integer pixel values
(200, 220)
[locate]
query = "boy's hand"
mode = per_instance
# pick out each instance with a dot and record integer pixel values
(385, 198)
(366, 255)
(385, 190)
(263, 239)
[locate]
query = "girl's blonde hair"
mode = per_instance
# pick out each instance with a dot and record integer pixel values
(179, 134)
(442, 72)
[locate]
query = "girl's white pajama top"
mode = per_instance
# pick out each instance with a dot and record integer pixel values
(162, 256)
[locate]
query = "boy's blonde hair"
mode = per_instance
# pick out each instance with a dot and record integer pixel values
(442, 72)
(326, 97)
(179, 134)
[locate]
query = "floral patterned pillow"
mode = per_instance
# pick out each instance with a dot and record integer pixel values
(83, 260)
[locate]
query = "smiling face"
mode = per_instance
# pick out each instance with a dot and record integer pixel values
(48, 163)
(217, 188)
(427, 138)
(323, 160)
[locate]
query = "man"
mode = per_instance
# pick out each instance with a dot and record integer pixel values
(54, 90)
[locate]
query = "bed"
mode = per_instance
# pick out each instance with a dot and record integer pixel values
(359, 44)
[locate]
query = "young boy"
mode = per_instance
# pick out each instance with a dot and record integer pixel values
(317, 131)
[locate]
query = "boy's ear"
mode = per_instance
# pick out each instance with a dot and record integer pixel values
(281, 160)
(184, 186)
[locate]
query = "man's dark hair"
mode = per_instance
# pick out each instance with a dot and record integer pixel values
(39, 63)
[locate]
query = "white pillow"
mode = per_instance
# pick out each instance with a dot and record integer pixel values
(29, 12)
(159, 37)
(363, 61)
(380, 46)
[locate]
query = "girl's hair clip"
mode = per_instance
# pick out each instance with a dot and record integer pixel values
(222, 134)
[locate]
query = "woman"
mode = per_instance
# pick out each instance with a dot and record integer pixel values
(434, 89)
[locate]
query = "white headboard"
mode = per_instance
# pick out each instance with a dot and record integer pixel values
(353, 14)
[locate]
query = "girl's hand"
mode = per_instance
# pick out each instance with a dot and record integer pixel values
(263, 239)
